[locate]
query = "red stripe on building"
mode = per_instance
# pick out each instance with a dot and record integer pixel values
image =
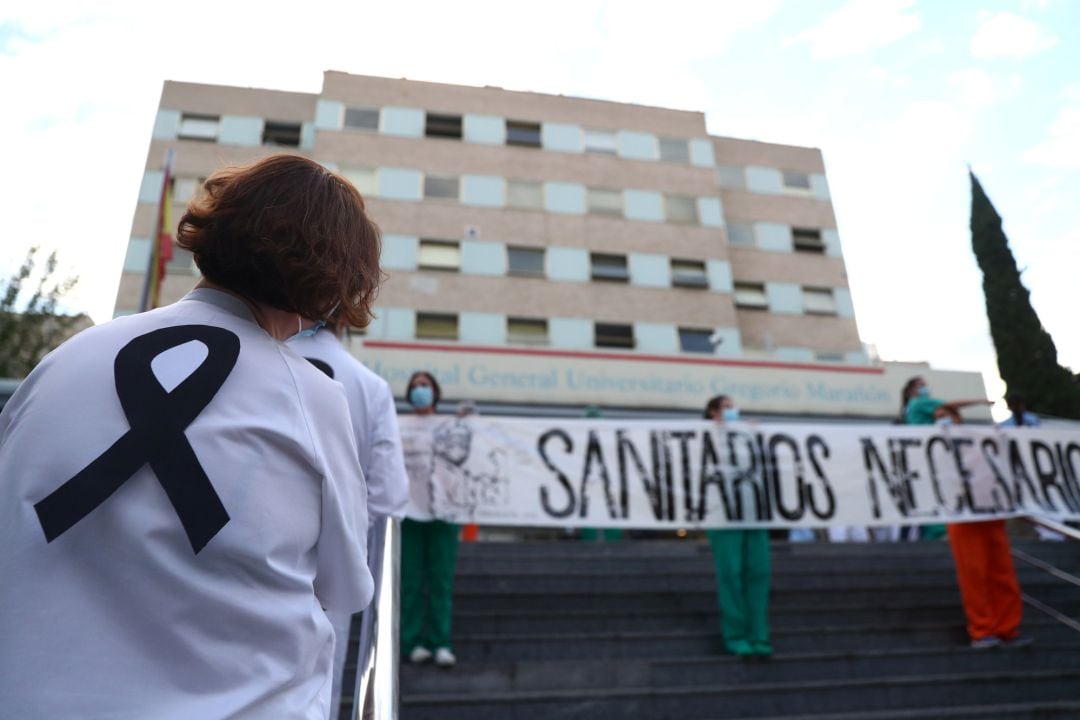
(635, 357)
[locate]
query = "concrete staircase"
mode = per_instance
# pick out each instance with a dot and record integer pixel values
(630, 630)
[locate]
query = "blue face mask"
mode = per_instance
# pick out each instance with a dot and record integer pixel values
(923, 391)
(422, 396)
(314, 329)
(730, 414)
(310, 332)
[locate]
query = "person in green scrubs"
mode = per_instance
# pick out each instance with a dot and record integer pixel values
(428, 545)
(743, 570)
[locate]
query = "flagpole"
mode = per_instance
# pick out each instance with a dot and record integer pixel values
(155, 240)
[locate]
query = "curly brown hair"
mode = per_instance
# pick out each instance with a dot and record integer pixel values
(286, 232)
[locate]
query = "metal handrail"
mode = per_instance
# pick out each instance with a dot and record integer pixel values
(1069, 532)
(376, 693)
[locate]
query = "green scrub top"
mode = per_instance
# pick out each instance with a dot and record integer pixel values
(920, 410)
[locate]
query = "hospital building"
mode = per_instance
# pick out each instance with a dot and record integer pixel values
(546, 253)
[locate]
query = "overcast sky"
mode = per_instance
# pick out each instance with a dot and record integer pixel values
(900, 95)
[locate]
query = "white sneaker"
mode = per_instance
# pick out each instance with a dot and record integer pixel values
(419, 655)
(444, 658)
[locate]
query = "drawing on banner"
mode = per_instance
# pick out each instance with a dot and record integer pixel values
(459, 489)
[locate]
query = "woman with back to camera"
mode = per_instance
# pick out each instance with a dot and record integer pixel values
(182, 497)
(428, 545)
(743, 569)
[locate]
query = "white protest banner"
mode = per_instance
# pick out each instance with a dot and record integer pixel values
(690, 474)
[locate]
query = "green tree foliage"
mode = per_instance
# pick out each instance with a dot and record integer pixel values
(30, 326)
(1027, 358)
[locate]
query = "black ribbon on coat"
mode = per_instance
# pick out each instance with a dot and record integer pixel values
(158, 420)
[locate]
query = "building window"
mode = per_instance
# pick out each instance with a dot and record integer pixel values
(689, 274)
(807, 240)
(198, 127)
(443, 126)
(672, 150)
(798, 181)
(604, 201)
(362, 118)
(183, 189)
(525, 261)
(182, 262)
(818, 301)
(613, 335)
(363, 179)
(680, 209)
(600, 142)
(436, 326)
(522, 134)
(441, 187)
(741, 234)
(611, 268)
(524, 195)
(731, 176)
(751, 296)
(281, 134)
(695, 340)
(526, 331)
(439, 255)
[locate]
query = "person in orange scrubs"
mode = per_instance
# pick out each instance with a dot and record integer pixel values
(984, 566)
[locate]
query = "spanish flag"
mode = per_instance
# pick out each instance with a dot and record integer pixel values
(162, 247)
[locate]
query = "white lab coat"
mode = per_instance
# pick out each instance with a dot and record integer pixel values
(118, 616)
(374, 422)
(378, 443)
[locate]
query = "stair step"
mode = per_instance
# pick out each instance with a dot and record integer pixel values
(722, 702)
(609, 596)
(1007, 711)
(843, 638)
(780, 549)
(578, 581)
(618, 619)
(564, 674)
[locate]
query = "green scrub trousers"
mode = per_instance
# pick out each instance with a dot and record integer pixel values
(428, 557)
(743, 569)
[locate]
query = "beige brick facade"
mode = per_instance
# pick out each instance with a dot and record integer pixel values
(680, 192)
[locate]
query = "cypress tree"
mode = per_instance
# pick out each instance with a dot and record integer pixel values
(1027, 358)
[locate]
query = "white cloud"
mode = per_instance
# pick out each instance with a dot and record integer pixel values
(1007, 35)
(685, 28)
(859, 26)
(1039, 5)
(900, 193)
(1061, 147)
(974, 88)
